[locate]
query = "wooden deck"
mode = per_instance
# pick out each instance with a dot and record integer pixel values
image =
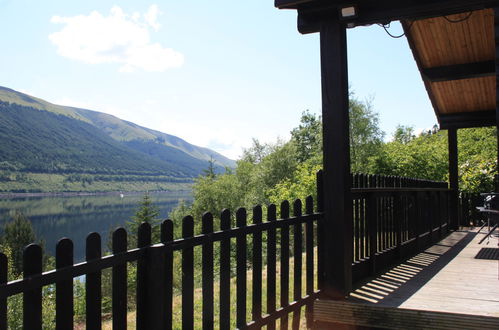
(446, 277)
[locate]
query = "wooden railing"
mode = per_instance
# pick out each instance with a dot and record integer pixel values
(261, 262)
(394, 217)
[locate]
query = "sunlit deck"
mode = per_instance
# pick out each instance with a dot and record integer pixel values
(446, 277)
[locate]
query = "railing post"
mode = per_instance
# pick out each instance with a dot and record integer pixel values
(372, 223)
(398, 217)
(453, 177)
(32, 300)
(157, 307)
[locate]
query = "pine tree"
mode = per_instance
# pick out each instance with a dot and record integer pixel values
(147, 212)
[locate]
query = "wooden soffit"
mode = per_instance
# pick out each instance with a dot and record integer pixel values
(456, 57)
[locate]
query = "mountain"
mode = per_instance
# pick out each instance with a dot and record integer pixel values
(40, 137)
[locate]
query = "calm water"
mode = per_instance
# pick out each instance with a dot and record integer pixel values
(74, 217)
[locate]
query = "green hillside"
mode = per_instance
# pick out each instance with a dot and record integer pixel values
(45, 147)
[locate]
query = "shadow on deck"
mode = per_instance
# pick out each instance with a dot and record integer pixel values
(445, 277)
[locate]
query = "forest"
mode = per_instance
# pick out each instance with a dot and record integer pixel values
(285, 170)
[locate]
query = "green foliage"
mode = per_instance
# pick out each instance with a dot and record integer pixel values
(17, 234)
(146, 212)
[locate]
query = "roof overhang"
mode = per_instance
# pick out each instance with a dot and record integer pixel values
(453, 43)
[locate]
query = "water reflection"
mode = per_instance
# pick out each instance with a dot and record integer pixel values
(74, 217)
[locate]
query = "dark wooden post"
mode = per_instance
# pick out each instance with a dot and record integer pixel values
(453, 178)
(337, 183)
(496, 33)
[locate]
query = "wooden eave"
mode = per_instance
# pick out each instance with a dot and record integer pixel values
(456, 60)
(456, 57)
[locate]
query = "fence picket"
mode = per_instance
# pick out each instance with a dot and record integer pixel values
(143, 240)
(64, 289)
(167, 237)
(284, 263)
(119, 281)
(271, 265)
(93, 297)
(207, 261)
(188, 276)
(3, 300)
(225, 272)
(297, 269)
(309, 258)
(241, 270)
(257, 266)
(32, 299)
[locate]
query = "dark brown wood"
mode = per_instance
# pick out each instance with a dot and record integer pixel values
(119, 281)
(496, 35)
(467, 119)
(32, 299)
(374, 316)
(297, 269)
(309, 258)
(3, 300)
(271, 264)
(321, 273)
(143, 240)
(162, 271)
(336, 158)
(93, 298)
(207, 264)
(188, 276)
(453, 177)
(284, 263)
(256, 310)
(460, 71)
(241, 271)
(64, 288)
(225, 272)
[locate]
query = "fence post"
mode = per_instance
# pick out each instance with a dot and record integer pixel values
(64, 288)
(373, 229)
(3, 300)
(32, 300)
(143, 240)
(157, 304)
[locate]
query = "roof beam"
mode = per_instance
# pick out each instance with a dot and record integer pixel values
(460, 71)
(312, 12)
(468, 119)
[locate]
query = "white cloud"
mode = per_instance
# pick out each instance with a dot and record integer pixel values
(116, 38)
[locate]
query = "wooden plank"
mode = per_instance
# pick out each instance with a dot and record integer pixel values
(284, 263)
(397, 318)
(256, 310)
(165, 305)
(207, 261)
(241, 271)
(143, 240)
(460, 71)
(3, 300)
(271, 265)
(93, 297)
(64, 288)
(188, 276)
(297, 254)
(119, 281)
(225, 272)
(453, 177)
(309, 258)
(32, 299)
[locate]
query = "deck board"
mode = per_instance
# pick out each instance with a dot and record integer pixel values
(446, 277)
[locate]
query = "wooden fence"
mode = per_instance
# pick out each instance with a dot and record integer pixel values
(285, 237)
(393, 217)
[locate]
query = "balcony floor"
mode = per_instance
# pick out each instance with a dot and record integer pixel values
(446, 277)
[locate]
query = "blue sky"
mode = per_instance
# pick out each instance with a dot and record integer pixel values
(216, 74)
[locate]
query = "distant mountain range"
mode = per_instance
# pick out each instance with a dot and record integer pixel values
(40, 137)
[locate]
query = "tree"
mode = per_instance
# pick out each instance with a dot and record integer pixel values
(210, 171)
(147, 212)
(307, 136)
(366, 138)
(404, 134)
(17, 234)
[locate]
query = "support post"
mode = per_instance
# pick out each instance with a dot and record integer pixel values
(496, 33)
(336, 148)
(453, 178)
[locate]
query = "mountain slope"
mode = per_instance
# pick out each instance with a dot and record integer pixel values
(121, 130)
(46, 147)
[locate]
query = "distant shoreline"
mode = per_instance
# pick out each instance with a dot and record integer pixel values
(85, 193)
